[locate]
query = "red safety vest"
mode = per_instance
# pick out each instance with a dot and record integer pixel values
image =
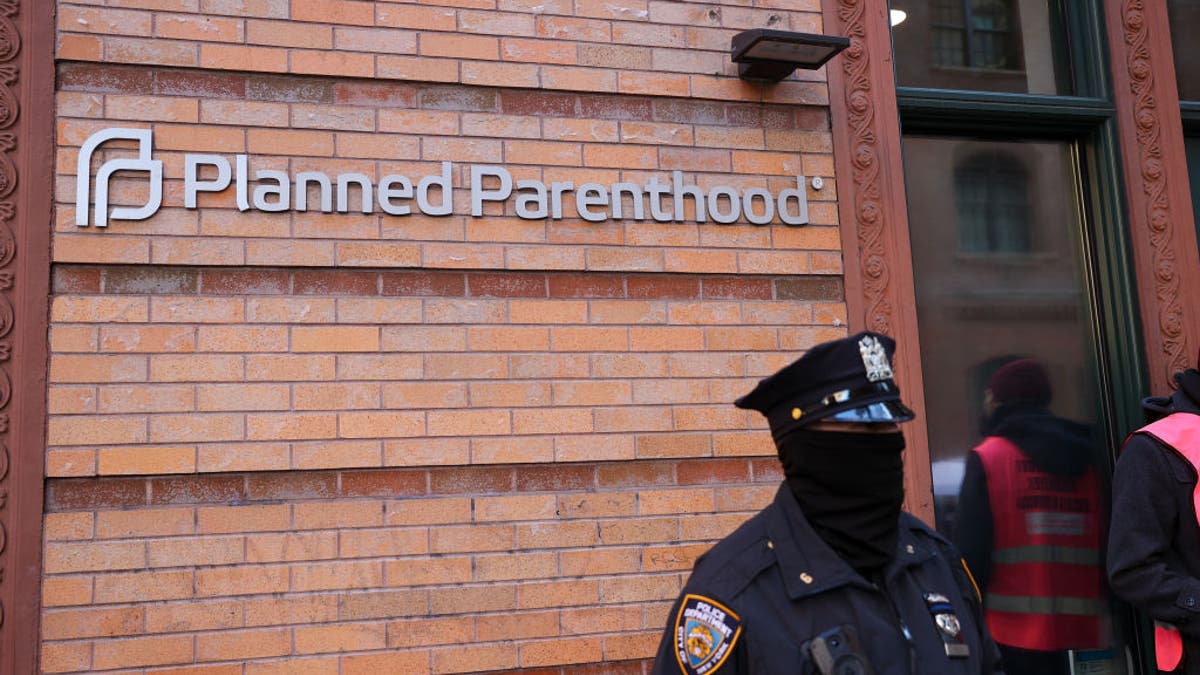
(1047, 583)
(1181, 433)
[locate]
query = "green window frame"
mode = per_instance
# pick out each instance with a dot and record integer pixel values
(1087, 121)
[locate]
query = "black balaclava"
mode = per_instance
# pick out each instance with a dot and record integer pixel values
(850, 486)
(1189, 384)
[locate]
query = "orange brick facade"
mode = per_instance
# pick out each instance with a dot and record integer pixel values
(347, 443)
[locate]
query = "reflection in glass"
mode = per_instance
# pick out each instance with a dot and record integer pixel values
(991, 191)
(1192, 144)
(975, 34)
(994, 45)
(1184, 16)
(1007, 357)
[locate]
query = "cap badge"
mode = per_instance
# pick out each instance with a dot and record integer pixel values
(874, 358)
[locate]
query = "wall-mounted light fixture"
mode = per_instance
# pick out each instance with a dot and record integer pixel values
(769, 55)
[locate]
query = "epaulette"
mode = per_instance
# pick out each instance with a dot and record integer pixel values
(728, 567)
(958, 564)
(915, 524)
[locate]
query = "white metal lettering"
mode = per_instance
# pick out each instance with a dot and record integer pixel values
(490, 188)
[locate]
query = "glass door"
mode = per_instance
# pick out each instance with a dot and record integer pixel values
(1022, 284)
(1000, 275)
(1009, 355)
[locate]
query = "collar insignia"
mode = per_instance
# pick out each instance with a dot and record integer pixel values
(705, 633)
(874, 358)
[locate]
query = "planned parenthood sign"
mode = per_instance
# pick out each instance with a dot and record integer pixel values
(271, 190)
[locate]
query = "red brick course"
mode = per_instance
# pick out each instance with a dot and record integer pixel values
(176, 370)
(75, 280)
(264, 568)
(537, 134)
(552, 45)
(80, 494)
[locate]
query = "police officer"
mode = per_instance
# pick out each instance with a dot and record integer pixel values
(831, 577)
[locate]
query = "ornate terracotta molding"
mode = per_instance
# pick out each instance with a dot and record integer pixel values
(26, 189)
(10, 47)
(1160, 208)
(869, 216)
(880, 294)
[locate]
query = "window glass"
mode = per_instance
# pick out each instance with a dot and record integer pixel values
(1192, 144)
(1008, 358)
(991, 193)
(994, 45)
(1185, 17)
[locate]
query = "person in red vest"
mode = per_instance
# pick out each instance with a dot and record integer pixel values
(1030, 526)
(1154, 539)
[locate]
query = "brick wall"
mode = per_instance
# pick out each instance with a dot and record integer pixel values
(307, 442)
(455, 569)
(640, 47)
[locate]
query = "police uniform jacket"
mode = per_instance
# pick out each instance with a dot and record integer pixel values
(1154, 541)
(777, 586)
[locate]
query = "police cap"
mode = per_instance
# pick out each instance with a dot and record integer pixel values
(847, 380)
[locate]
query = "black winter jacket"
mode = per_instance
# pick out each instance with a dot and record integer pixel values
(776, 586)
(1154, 540)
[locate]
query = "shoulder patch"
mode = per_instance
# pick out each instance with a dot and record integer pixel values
(705, 634)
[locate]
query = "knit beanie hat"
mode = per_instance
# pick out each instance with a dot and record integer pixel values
(1021, 381)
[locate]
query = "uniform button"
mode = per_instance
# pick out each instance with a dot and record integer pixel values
(909, 549)
(806, 577)
(1191, 602)
(771, 545)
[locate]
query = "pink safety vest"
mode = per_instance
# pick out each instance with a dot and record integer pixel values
(1181, 433)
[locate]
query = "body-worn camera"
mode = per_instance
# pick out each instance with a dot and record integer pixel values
(837, 652)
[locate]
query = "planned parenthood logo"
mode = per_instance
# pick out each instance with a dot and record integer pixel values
(270, 190)
(143, 163)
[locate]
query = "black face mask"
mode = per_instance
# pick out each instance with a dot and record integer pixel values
(850, 486)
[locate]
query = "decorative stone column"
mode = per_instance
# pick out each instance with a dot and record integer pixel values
(1156, 186)
(26, 191)
(880, 294)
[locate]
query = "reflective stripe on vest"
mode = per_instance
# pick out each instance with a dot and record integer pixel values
(1181, 433)
(1046, 590)
(1039, 605)
(1070, 555)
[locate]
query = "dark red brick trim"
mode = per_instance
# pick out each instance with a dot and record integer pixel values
(141, 280)
(75, 494)
(134, 79)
